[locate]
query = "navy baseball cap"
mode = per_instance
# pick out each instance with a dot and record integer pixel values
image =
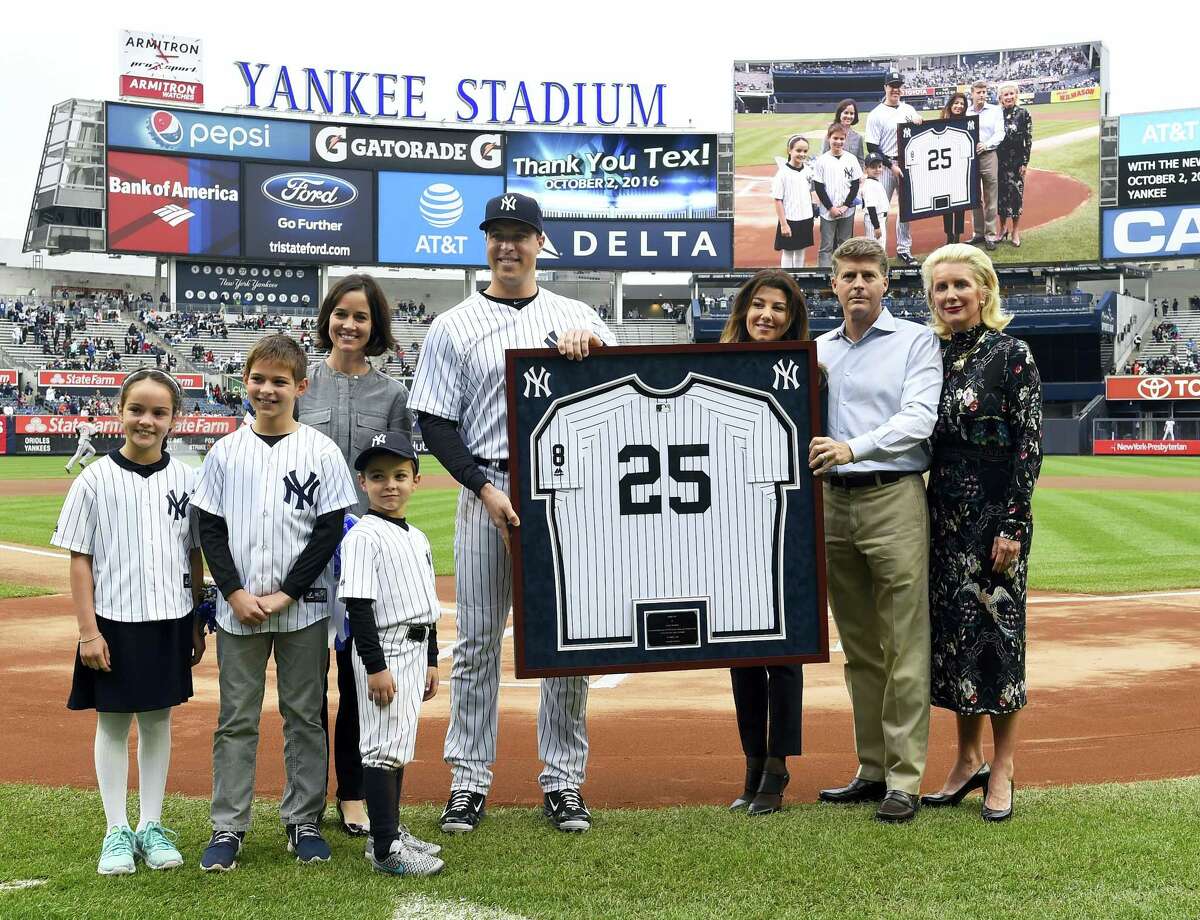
(873, 159)
(389, 442)
(894, 77)
(513, 206)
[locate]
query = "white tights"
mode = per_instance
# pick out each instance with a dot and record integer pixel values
(791, 258)
(112, 763)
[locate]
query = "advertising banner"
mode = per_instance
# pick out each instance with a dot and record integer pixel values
(633, 245)
(408, 149)
(8, 377)
(207, 133)
(172, 205)
(1058, 86)
(1155, 133)
(1159, 179)
(89, 381)
(1151, 233)
(1146, 448)
(433, 219)
(265, 288)
(605, 176)
(55, 434)
(296, 214)
(157, 65)
(1177, 386)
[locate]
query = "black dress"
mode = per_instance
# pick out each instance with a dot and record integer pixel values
(986, 458)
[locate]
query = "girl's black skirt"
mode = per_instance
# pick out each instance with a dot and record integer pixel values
(151, 668)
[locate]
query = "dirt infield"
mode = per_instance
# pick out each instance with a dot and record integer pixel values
(1114, 684)
(1048, 196)
(20, 487)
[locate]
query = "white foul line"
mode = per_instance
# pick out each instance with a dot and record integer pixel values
(34, 552)
(1077, 598)
(22, 884)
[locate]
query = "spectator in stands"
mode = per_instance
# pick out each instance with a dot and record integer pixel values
(768, 700)
(955, 224)
(1012, 161)
(987, 454)
(846, 115)
(351, 402)
(991, 133)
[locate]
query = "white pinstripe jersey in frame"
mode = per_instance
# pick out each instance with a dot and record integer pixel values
(271, 497)
(937, 164)
(138, 532)
(687, 487)
(460, 374)
(384, 563)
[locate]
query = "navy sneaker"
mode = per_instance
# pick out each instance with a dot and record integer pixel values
(306, 842)
(222, 851)
(566, 810)
(463, 812)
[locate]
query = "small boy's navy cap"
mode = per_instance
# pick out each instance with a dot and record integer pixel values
(873, 159)
(513, 206)
(389, 442)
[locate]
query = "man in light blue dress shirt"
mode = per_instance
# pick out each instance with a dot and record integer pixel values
(991, 133)
(885, 379)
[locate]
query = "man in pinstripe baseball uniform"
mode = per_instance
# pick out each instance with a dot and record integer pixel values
(84, 450)
(459, 398)
(387, 584)
(881, 139)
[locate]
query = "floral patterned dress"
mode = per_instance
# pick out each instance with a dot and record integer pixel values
(986, 458)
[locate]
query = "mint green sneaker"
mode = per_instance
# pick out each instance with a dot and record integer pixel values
(155, 846)
(116, 854)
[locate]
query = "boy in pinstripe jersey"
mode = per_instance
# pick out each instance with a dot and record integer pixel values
(387, 585)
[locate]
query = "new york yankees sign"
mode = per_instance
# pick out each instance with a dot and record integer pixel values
(644, 478)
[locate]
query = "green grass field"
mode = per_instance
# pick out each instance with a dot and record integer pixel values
(1102, 542)
(1115, 851)
(10, 589)
(759, 138)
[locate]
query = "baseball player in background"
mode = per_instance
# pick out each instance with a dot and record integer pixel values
(881, 139)
(83, 450)
(459, 399)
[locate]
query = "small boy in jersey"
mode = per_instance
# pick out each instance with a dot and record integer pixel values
(874, 201)
(270, 498)
(387, 585)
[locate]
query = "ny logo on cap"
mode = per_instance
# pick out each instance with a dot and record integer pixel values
(177, 505)
(537, 380)
(378, 439)
(787, 375)
(508, 203)
(304, 494)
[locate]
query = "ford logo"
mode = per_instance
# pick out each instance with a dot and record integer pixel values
(313, 191)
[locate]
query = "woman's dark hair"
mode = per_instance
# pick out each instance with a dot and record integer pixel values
(797, 330)
(842, 106)
(950, 101)
(381, 340)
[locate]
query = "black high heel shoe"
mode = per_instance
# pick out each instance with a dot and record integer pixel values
(754, 775)
(770, 794)
(996, 814)
(979, 780)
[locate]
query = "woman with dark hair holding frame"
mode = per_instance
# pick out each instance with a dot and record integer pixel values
(351, 402)
(846, 115)
(955, 223)
(767, 308)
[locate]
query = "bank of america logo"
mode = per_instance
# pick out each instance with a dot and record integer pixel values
(174, 214)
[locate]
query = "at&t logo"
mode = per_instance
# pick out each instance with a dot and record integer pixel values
(442, 206)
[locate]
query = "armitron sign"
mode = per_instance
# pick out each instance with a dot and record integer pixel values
(1176, 386)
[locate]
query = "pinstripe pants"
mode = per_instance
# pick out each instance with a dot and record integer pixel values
(483, 582)
(388, 734)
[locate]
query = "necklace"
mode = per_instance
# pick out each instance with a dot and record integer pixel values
(959, 364)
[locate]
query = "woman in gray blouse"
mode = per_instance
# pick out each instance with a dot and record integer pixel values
(846, 115)
(351, 402)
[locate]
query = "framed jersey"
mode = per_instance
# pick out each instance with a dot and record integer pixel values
(941, 172)
(668, 516)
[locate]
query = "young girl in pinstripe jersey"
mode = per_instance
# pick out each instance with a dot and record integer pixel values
(136, 575)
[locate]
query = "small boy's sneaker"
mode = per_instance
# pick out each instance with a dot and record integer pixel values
(306, 842)
(116, 853)
(413, 843)
(567, 811)
(403, 861)
(222, 851)
(155, 846)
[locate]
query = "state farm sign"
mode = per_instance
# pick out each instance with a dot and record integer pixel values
(1176, 386)
(110, 425)
(103, 380)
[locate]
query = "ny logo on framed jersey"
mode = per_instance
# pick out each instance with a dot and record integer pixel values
(941, 170)
(668, 516)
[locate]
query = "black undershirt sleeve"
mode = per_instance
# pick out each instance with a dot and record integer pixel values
(849, 202)
(366, 636)
(326, 535)
(873, 213)
(819, 188)
(214, 540)
(444, 441)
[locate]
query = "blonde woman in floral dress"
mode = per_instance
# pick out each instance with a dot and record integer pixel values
(986, 459)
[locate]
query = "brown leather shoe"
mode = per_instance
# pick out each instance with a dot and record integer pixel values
(859, 790)
(897, 807)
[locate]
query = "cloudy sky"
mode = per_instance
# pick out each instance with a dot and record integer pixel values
(68, 49)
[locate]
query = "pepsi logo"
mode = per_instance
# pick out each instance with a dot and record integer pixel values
(441, 205)
(165, 128)
(312, 191)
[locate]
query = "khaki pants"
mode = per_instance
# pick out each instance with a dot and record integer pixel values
(877, 555)
(983, 220)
